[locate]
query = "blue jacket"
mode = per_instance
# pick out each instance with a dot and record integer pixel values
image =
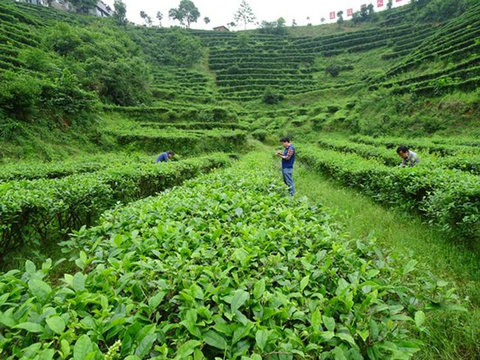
(288, 163)
(163, 157)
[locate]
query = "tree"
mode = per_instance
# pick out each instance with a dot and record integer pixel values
(159, 18)
(389, 4)
(363, 13)
(370, 9)
(273, 27)
(322, 20)
(244, 14)
(232, 24)
(146, 18)
(83, 6)
(340, 17)
(186, 12)
(206, 19)
(120, 14)
(294, 23)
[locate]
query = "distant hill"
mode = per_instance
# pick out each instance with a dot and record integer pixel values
(408, 69)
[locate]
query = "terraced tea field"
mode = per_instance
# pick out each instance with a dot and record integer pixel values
(105, 254)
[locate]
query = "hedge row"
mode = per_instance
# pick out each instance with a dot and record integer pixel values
(449, 199)
(46, 209)
(53, 170)
(265, 64)
(389, 157)
(296, 82)
(186, 142)
(182, 112)
(469, 65)
(419, 144)
(451, 39)
(195, 126)
(262, 76)
(263, 70)
(440, 86)
(209, 271)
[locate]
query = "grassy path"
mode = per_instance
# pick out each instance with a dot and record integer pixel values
(452, 335)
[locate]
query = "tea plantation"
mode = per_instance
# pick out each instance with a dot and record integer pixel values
(105, 254)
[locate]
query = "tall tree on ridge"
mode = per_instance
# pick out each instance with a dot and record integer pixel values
(120, 13)
(159, 18)
(244, 14)
(146, 18)
(186, 12)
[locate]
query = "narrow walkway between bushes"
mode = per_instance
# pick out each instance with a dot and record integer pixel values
(453, 335)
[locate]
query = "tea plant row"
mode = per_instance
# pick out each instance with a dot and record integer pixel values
(225, 267)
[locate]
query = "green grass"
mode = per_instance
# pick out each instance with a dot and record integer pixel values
(451, 335)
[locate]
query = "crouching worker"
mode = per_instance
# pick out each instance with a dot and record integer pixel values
(410, 158)
(288, 159)
(164, 157)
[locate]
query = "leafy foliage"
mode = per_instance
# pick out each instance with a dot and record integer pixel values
(120, 14)
(45, 208)
(186, 13)
(244, 14)
(448, 198)
(175, 47)
(240, 286)
(271, 98)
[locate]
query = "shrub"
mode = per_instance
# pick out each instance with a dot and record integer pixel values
(174, 47)
(20, 94)
(333, 70)
(260, 134)
(270, 97)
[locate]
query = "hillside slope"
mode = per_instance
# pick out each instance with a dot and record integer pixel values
(400, 73)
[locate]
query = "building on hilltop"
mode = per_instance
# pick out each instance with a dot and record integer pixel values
(61, 5)
(101, 9)
(221, 28)
(35, 2)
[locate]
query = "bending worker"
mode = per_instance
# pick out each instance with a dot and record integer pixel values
(165, 156)
(410, 158)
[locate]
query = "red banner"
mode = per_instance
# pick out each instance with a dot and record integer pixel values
(399, 0)
(349, 12)
(332, 15)
(379, 3)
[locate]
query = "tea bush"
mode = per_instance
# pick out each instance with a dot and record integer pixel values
(211, 270)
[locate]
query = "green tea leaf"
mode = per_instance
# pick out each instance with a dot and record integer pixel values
(145, 345)
(329, 323)
(259, 289)
(261, 338)
(65, 348)
(56, 323)
(40, 289)
(30, 327)
(215, 340)
(78, 282)
(346, 337)
(187, 349)
(82, 349)
(155, 300)
(316, 320)
(419, 318)
(239, 298)
(304, 282)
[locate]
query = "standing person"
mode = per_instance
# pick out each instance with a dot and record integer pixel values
(165, 156)
(409, 157)
(288, 159)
